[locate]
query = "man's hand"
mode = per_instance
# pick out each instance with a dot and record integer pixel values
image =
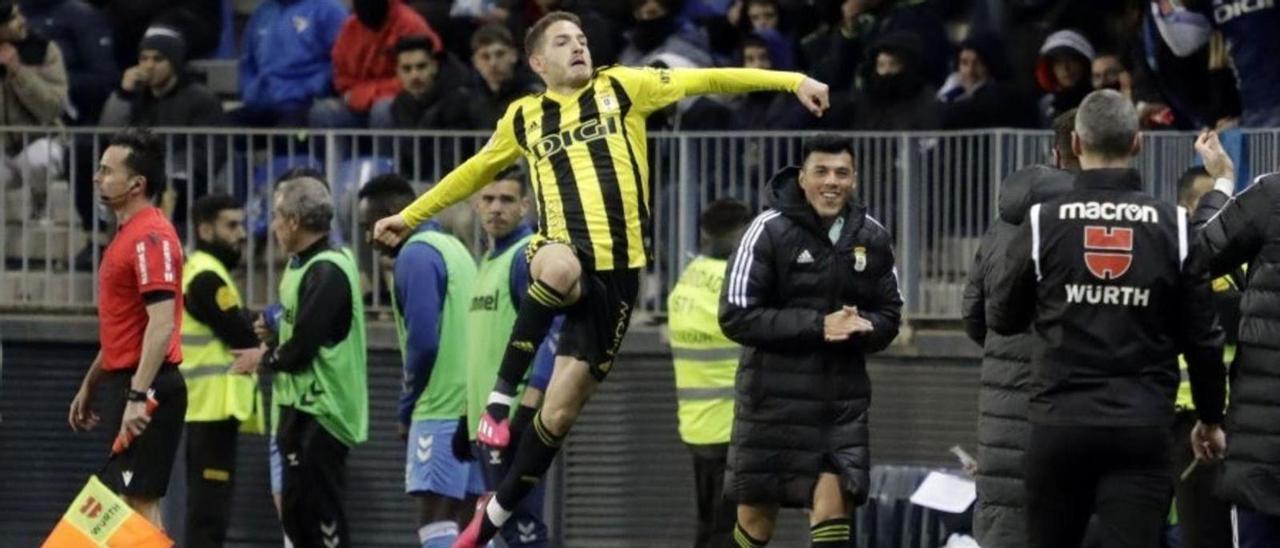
(264, 333)
(1216, 160)
(135, 420)
(9, 56)
(1208, 441)
(247, 360)
(460, 444)
(814, 95)
(839, 325)
(390, 231)
(132, 75)
(81, 417)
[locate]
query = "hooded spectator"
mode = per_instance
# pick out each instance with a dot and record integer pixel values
(768, 110)
(834, 51)
(83, 34)
(658, 30)
(1062, 72)
(977, 94)
(364, 64)
(285, 62)
(896, 96)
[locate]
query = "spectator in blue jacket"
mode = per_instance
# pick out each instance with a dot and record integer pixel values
(83, 33)
(285, 62)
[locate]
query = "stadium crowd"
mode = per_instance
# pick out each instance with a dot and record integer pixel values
(454, 64)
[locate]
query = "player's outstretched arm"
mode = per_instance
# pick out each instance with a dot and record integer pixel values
(814, 95)
(463, 181)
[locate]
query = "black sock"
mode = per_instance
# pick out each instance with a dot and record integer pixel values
(831, 533)
(537, 309)
(743, 539)
(538, 447)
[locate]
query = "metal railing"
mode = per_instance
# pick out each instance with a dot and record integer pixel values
(937, 192)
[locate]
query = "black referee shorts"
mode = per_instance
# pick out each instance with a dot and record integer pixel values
(143, 469)
(595, 325)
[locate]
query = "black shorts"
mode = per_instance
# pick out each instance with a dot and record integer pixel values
(594, 326)
(143, 469)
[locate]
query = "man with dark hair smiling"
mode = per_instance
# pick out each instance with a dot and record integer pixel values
(139, 325)
(810, 291)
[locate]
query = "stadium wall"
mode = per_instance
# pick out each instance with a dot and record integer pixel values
(623, 480)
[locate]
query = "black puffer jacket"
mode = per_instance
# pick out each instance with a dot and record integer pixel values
(998, 518)
(802, 402)
(1247, 231)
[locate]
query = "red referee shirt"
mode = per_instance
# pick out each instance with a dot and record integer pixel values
(144, 256)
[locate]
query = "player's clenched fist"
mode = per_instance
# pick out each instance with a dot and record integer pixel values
(390, 231)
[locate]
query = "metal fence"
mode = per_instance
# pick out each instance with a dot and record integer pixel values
(936, 191)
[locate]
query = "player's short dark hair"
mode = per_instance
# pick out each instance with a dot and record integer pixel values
(517, 173)
(145, 158)
(415, 42)
(390, 190)
(533, 38)
(754, 40)
(1187, 181)
(828, 143)
(490, 34)
(207, 208)
(724, 218)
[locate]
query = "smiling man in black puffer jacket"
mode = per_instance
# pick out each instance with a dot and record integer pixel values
(811, 290)
(999, 520)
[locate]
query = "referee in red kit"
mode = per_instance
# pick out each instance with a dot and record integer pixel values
(139, 325)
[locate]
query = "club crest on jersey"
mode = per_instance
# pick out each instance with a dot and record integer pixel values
(1108, 251)
(608, 104)
(859, 259)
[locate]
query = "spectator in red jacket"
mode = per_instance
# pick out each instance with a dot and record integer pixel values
(364, 64)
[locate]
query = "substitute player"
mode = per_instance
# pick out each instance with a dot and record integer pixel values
(503, 277)
(430, 294)
(584, 139)
(139, 324)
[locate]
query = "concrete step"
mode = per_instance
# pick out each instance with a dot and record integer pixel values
(19, 203)
(42, 241)
(46, 290)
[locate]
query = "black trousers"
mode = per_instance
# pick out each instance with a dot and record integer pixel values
(315, 482)
(716, 514)
(1120, 474)
(1204, 521)
(211, 469)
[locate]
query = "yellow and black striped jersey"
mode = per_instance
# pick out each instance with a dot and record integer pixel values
(588, 157)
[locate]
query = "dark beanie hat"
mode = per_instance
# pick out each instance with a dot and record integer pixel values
(6, 10)
(168, 41)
